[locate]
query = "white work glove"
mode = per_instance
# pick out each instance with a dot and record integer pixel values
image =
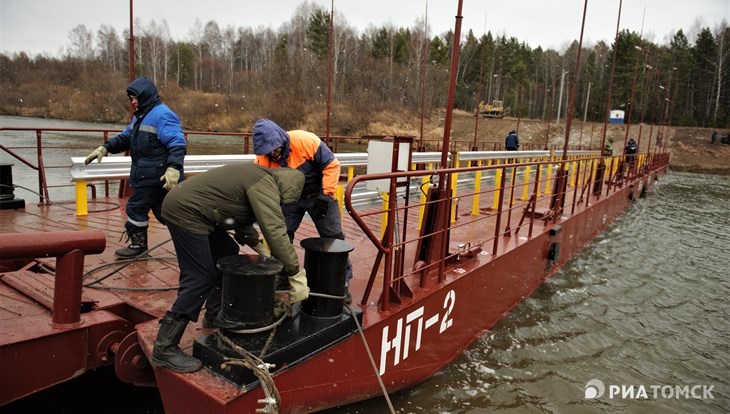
(299, 290)
(262, 250)
(170, 178)
(98, 153)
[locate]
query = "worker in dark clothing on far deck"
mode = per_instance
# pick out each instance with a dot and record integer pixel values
(630, 152)
(512, 142)
(199, 212)
(156, 143)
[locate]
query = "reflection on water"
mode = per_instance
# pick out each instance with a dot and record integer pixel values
(644, 304)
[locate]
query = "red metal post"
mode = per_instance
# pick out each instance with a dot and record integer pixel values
(610, 80)
(69, 248)
(631, 97)
(426, 42)
(329, 75)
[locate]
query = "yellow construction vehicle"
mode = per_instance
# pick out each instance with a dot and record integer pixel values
(495, 109)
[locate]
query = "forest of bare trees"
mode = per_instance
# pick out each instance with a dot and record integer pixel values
(225, 78)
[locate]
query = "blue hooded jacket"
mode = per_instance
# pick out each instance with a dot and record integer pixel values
(267, 136)
(154, 138)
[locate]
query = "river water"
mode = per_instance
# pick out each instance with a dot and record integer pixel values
(643, 307)
(645, 304)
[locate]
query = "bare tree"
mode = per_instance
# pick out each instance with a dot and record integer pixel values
(722, 34)
(229, 52)
(214, 41)
(166, 41)
(109, 47)
(81, 43)
(196, 38)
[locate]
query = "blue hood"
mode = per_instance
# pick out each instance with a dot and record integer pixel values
(146, 93)
(267, 136)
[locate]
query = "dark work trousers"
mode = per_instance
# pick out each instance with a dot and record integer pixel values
(197, 256)
(142, 200)
(329, 226)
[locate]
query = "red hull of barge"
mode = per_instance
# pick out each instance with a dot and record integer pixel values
(473, 301)
(409, 341)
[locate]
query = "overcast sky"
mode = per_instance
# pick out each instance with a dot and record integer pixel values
(43, 26)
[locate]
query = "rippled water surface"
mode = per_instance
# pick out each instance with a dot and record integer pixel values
(645, 304)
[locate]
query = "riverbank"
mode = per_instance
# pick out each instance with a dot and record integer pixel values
(690, 147)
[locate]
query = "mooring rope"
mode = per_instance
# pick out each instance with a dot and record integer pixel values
(372, 360)
(141, 256)
(259, 368)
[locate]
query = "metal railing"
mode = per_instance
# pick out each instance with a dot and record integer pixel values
(199, 143)
(502, 200)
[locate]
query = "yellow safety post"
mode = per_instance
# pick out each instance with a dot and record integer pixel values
(425, 185)
(497, 190)
(537, 183)
(548, 177)
(384, 216)
(525, 184)
(340, 197)
(454, 181)
(477, 189)
(350, 173)
(573, 166)
(82, 201)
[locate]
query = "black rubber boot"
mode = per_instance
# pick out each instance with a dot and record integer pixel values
(166, 352)
(212, 307)
(137, 246)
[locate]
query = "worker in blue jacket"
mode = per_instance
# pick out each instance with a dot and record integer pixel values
(156, 143)
(512, 142)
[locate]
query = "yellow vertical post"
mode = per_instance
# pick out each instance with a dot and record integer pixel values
(573, 166)
(384, 216)
(477, 189)
(497, 189)
(82, 201)
(350, 173)
(454, 182)
(425, 185)
(340, 196)
(525, 184)
(548, 177)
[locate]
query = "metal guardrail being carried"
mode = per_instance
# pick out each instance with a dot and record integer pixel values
(118, 167)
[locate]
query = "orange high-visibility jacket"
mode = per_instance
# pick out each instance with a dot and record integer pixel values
(307, 147)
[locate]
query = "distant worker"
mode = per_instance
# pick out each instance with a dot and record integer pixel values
(512, 142)
(631, 150)
(630, 154)
(713, 137)
(304, 151)
(157, 145)
(199, 212)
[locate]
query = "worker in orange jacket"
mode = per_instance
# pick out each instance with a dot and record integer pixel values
(304, 151)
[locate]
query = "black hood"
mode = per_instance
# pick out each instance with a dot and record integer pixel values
(146, 93)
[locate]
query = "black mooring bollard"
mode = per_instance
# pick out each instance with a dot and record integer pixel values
(326, 263)
(248, 291)
(7, 190)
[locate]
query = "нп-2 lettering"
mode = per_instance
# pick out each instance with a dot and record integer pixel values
(414, 319)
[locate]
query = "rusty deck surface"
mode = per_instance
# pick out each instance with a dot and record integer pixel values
(153, 282)
(149, 287)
